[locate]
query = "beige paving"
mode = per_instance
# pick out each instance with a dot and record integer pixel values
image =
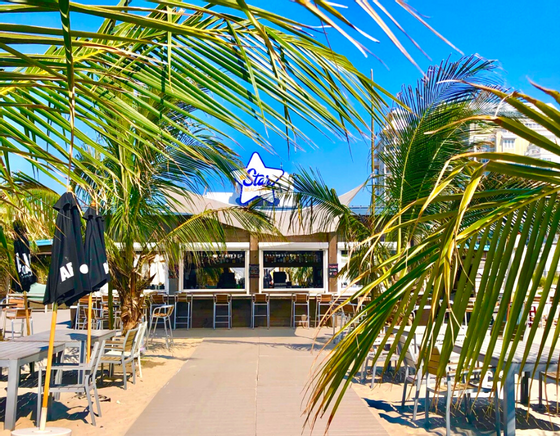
(248, 382)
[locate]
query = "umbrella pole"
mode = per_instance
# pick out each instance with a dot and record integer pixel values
(88, 346)
(25, 305)
(43, 422)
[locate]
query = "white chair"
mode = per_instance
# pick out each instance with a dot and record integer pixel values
(86, 381)
(164, 314)
(452, 385)
(260, 300)
(139, 348)
(412, 372)
(300, 300)
(121, 352)
(381, 359)
(222, 301)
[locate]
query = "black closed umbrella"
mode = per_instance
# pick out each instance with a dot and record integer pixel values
(22, 257)
(96, 254)
(96, 258)
(69, 272)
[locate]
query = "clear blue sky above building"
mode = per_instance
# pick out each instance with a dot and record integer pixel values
(522, 36)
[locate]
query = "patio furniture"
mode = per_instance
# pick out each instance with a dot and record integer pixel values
(346, 312)
(300, 300)
(13, 355)
(543, 378)
(121, 352)
(508, 379)
(260, 300)
(222, 301)
(140, 345)
(72, 338)
(382, 358)
(16, 314)
(80, 321)
(412, 372)
(104, 303)
(86, 381)
(187, 299)
(450, 387)
(156, 299)
(323, 300)
(172, 300)
(164, 314)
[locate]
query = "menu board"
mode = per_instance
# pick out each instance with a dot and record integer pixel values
(254, 271)
(333, 270)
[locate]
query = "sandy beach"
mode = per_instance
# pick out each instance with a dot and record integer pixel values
(384, 401)
(120, 408)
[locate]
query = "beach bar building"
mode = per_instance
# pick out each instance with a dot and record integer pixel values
(304, 260)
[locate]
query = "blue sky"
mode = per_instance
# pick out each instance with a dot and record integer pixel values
(521, 35)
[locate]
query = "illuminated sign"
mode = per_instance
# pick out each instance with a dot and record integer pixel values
(257, 180)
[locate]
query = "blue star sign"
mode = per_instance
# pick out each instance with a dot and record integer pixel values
(257, 180)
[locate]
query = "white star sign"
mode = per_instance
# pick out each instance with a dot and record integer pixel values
(258, 180)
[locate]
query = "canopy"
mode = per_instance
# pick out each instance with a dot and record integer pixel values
(305, 222)
(68, 274)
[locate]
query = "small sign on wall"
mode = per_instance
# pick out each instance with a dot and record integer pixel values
(254, 271)
(333, 270)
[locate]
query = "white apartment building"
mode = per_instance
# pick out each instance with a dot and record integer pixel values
(503, 141)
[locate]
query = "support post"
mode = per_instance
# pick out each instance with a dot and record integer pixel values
(44, 409)
(254, 260)
(88, 343)
(26, 307)
(333, 259)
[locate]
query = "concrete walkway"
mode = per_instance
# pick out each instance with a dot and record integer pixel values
(244, 382)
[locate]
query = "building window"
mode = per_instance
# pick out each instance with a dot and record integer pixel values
(222, 270)
(508, 144)
(293, 269)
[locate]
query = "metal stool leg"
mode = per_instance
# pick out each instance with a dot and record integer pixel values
(252, 314)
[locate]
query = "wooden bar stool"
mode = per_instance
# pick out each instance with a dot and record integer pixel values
(184, 297)
(323, 300)
(221, 301)
(300, 300)
(260, 300)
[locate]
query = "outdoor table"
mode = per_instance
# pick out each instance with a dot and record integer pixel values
(72, 338)
(508, 381)
(13, 355)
